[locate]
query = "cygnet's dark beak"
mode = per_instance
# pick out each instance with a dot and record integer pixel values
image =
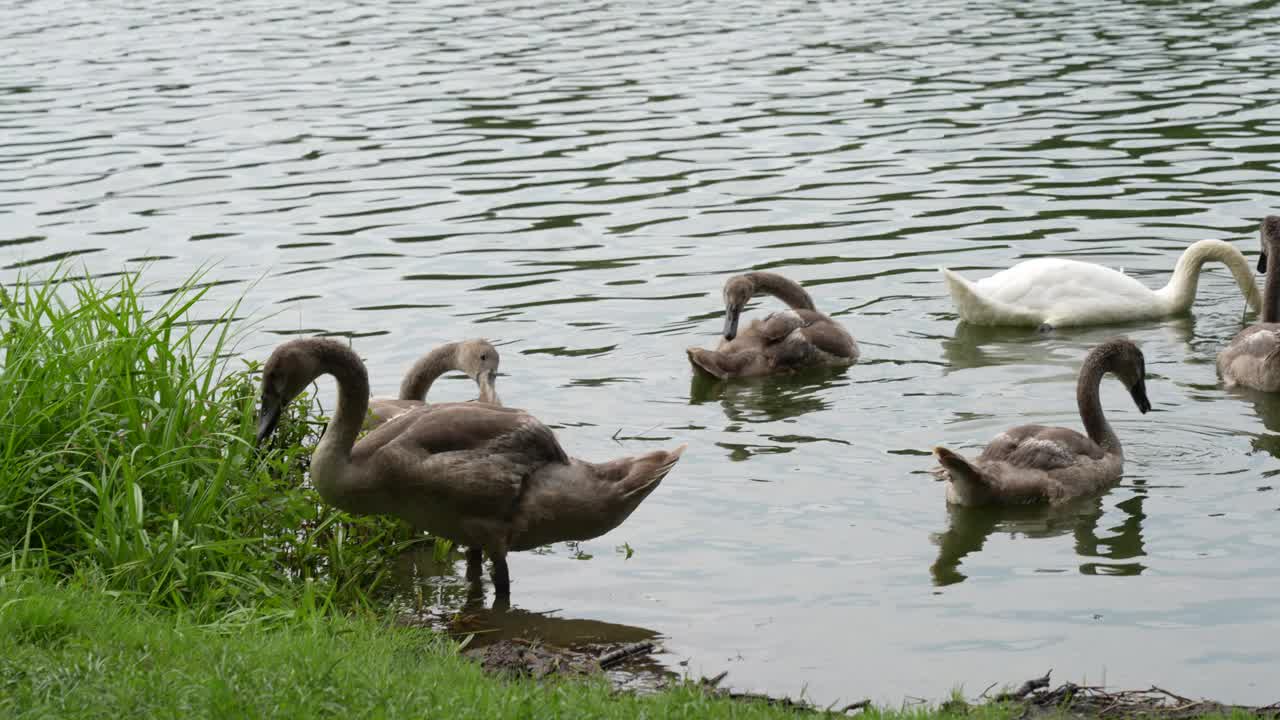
(1262, 262)
(1139, 393)
(731, 322)
(268, 417)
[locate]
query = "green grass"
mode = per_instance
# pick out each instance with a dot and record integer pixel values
(67, 652)
(126, 454)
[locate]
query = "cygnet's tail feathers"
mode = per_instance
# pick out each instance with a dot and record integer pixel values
(963, 474)
(649, 470)
(710, 361)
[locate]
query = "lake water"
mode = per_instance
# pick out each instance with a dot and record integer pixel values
(575, 180)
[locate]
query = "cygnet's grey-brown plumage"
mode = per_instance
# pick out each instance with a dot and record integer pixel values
(800, 337)
(480, 475)
(1035, 463)
(1252, 359)
(477, 358)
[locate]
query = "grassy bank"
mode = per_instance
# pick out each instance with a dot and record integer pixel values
(127, 457)
(67, 652)
(72, 652)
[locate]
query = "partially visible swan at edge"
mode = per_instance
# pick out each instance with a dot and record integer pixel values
(1253, 357)
(1035, 463)
(787, 340)
(477, 358)
(484, 476)
(1058, 292)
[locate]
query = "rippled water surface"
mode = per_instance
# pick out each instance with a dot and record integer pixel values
(575, 180)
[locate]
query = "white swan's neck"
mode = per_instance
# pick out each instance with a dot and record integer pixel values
(1181, 290)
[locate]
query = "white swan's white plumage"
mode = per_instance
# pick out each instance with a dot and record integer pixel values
(1061, 292)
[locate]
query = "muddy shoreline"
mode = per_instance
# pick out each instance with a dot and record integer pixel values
(630, 667)
(515, 643)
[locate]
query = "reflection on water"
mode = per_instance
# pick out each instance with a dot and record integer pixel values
(972, 346)
(1266, 407)
(432, 592)
(1124, 542)
(968, 529)
(770, 398)
(976, 346)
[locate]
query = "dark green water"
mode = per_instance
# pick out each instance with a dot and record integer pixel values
(575, 180)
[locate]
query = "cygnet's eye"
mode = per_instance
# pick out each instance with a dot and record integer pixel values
(483, 357)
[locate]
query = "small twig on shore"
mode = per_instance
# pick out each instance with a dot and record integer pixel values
(1175, 696)
(1096, 702)
(860, 705)
(1026, 688)
(615, 657)
(715, 681)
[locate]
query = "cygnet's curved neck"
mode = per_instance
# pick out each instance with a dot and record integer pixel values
(1181, 290)
(425, 371)
(334, 358)
(785, 289)
(1096, 364)
(1271, 290)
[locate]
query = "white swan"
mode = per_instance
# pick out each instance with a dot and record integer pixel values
(1058, 292)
